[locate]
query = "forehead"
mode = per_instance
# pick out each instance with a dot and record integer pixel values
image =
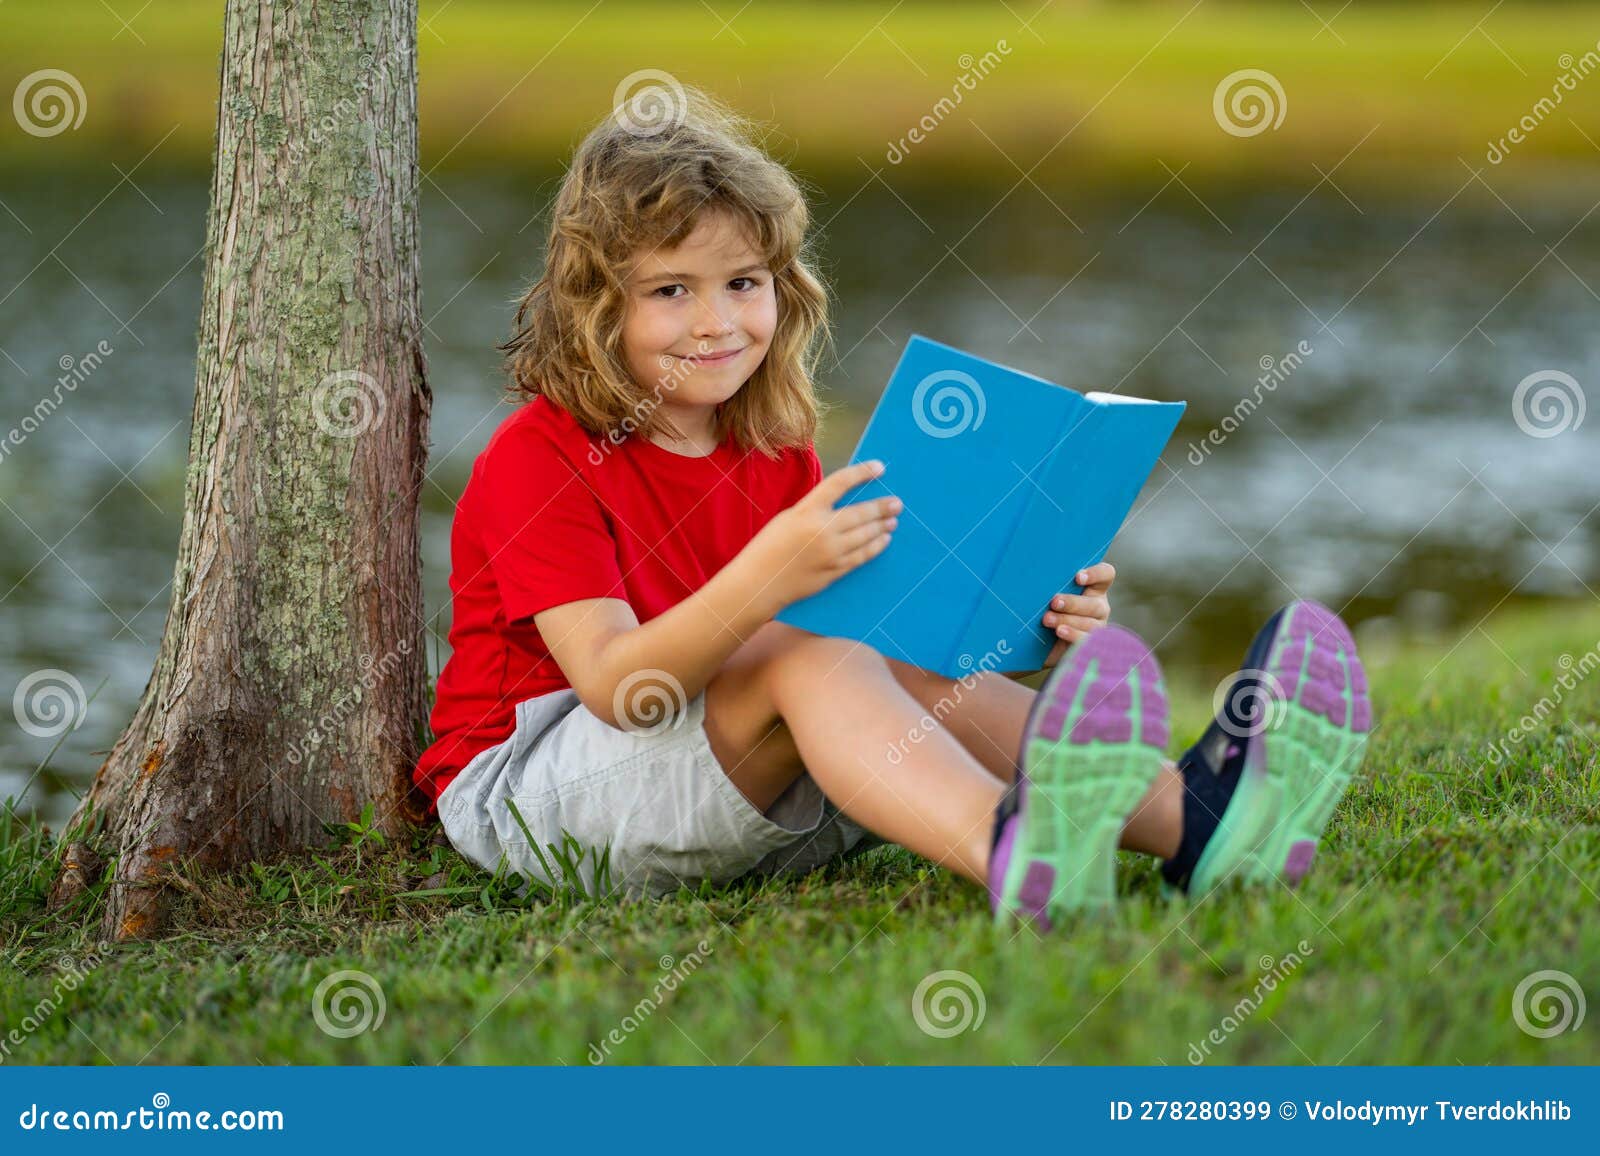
(717, 244)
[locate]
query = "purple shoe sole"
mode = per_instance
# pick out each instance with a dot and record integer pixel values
(1091, 746)
(1299, 758)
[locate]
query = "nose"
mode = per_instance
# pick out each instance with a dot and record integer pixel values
(713, 319)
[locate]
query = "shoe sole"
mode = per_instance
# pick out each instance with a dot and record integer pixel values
(1300, 762)
(1091, 747)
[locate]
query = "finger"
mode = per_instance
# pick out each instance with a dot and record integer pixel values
(1097, 579)
(833, 487)
(1056, 652)
(1089, 605)
(860, 513)
(861, 535)
(865, 553)
(1073, 622)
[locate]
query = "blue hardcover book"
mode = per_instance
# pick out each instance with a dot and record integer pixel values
(1011, 483)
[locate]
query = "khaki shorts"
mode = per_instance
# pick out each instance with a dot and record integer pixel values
(661, 802)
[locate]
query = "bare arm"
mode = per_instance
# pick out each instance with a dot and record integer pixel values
(605, 652)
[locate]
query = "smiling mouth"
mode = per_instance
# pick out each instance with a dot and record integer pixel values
(714, 358)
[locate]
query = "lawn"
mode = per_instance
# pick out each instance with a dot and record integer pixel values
(1445, 880)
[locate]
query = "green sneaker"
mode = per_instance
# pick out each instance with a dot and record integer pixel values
(1263, 781)
(1091, 747)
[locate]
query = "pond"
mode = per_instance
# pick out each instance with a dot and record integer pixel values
(1382, 465)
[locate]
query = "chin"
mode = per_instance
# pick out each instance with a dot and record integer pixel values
(712, 397)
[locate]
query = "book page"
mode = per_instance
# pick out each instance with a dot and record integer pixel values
(1113, 398)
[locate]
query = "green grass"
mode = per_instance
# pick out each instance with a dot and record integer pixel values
(1444, 880)
(1118, 87)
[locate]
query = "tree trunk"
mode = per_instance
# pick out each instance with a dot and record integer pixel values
(289, 687)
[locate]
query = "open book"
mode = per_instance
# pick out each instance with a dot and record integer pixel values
(1011, 485)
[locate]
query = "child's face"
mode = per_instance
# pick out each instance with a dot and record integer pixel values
(709, 296)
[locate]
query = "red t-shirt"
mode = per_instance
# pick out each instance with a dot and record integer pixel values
(552, 514)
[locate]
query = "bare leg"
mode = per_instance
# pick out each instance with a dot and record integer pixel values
(839, 689)
(987, 711)
(790, 702)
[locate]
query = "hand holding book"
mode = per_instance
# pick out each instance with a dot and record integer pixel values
(803, 549)
(1072, 616)
(1009, 481)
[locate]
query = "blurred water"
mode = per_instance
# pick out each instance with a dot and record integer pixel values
(1387, 474)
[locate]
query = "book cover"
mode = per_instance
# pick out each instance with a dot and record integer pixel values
(1011, 484)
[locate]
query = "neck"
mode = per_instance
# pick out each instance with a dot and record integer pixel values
(697, 424)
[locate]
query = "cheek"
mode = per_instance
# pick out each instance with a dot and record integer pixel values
(647, 328)
(646, 332)
(761, 319)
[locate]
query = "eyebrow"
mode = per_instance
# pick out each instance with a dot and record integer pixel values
(654, 277)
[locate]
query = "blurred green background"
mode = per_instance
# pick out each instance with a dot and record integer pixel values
(1083, 213)
(510, 83)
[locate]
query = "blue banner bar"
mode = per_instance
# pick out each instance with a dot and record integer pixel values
(767, 1110)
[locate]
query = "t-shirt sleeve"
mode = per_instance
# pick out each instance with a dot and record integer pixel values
(806, 477)
(544, 531)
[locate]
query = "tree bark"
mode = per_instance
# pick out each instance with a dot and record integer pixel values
(289, 688)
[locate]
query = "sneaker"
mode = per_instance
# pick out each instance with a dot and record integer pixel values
(1091, 747)
(1263, 781)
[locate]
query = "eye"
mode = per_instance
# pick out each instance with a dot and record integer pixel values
(749, 283)
(663, 292)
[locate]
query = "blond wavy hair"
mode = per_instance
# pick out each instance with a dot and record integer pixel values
(641, 179)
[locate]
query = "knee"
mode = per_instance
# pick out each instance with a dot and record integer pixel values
(778, 642)
(753, 666)
(800, 657)
(913, 677)
(778, 653)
